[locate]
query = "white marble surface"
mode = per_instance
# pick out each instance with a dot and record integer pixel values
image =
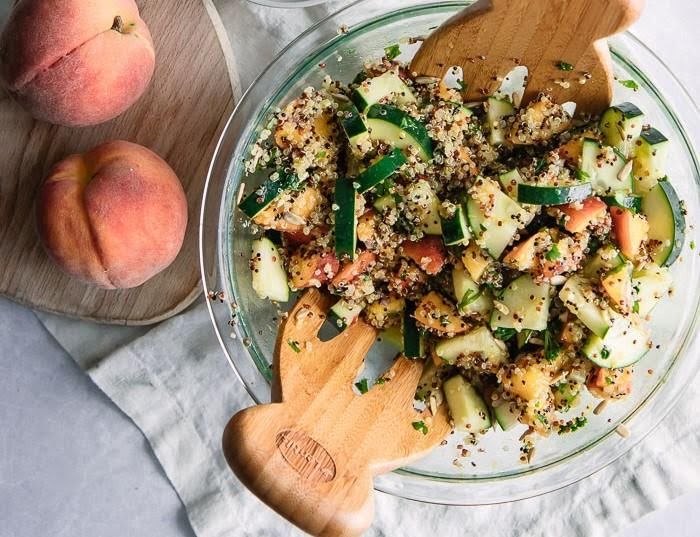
(71, 464)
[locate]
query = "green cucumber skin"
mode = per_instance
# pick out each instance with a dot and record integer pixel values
(353, 124)
(380, 171)
(553, 195)
(412, 338)
(403, 121)
(455, 230)
(679, 225)
(345, 219)
(255, 203)
(634, 203)
(628, 110)
(653, 136)
(359, 100)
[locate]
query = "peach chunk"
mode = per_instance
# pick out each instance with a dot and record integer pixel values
(114, 216)
(76, 63)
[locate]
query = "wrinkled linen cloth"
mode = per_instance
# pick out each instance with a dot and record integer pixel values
(175, 384)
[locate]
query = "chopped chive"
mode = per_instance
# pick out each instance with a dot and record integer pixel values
(565, 66)
(629, 84)
(294, 345)
(469, 298)
(420, 426)
(362, 386)
(553, 253)
(392, 51)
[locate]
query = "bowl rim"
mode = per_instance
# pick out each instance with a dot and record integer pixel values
(686, 344)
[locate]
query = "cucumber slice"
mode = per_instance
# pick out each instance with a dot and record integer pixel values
(612, 174)
(553, 195)
(467, 408)
(480, 341)
(621, 126)
(506, 416)
(428, 382)
(652, 284)
(343, 313)
(650, 160)
(399, 129)
(384, 168)
(495, 232)
(355, 129)
(270, 190)
(413, 339)
(510, 181)
(604, 260)
(373, 90)
(345, 218)
(625, 201)
(469, 297)
(527, 303)
(455, 230)
(385, 203)
(269, 276)
(664, 212)
(496, 111)
(624, 344)
(590, 149)
(422, 201)
(579, 297)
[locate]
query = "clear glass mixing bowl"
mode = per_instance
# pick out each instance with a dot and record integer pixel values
(246, 328)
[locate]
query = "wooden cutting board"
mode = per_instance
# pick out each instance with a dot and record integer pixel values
(180, 117)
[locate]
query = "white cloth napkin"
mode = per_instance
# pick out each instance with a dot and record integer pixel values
(175, 384)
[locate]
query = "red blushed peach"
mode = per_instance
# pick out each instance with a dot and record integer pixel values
(114, 217)
(76, 62)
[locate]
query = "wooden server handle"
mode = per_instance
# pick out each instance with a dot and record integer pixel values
(296, 475)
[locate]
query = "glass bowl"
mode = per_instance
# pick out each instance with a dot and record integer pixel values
(246, 326)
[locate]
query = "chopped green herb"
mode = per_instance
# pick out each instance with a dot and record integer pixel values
(564, 66)
(582, 176)
(294, 345)
(380, 380)
(504, 334)
(461, 84)
(469, 298)
(605, 353)
(320, 155)
(362, 386)
(553, 253)
(420, 426)
(551, 346)
(540, 165)
(635, 306)
(573, 425)
(629, 84)
(392, 51)
(692, 245)
(542, 419)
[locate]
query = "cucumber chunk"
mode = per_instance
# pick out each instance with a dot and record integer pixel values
(621, 126)
(467, 408)
(355, 129)
(413, 339)
(527, 303)
(480, 341)
(496, 111)
(495, 232)
(470, 298)
(664, 212)
(270, 190)
(428, 382)
(650, 160)
(510, 181)
(344, 313)
(624, 201)
(269, 277)
(384, 168)
(385, 203)
(393, 336)
(652, 284)
(455, 229)
(423, 202)
(553, 195)
(625, 343)
(399, 129)
(605, 259)
(373, 90)
(506, 416)
(579, 297)
(345, 218)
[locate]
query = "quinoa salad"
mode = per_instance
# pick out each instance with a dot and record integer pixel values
(516, 249)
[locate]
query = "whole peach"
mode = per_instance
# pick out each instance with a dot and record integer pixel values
(76, 62)
(114, 216)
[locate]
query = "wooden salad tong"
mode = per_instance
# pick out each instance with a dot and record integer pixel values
(561, 42)
(312, 453)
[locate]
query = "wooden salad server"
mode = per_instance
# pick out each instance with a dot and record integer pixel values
(561, 42)
(312, 453)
